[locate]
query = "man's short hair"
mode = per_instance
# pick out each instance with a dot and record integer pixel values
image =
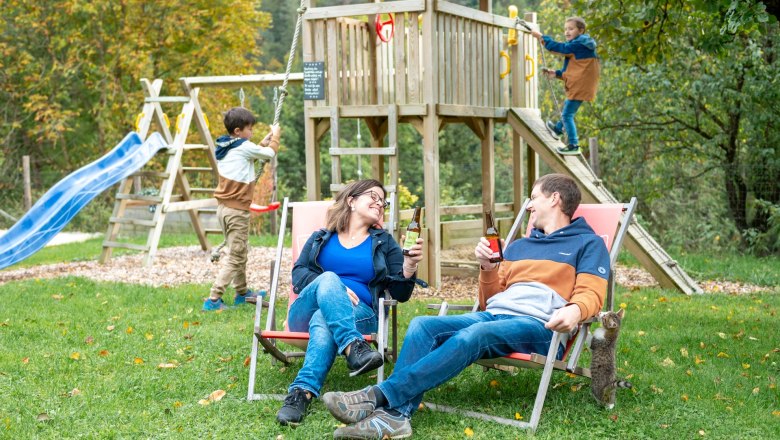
(238, 117)
(563, 185)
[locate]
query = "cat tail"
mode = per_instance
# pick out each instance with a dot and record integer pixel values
(623, 384)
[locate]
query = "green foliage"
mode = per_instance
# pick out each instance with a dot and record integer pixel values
(88, 356)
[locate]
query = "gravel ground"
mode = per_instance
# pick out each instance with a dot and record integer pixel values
(191, 265)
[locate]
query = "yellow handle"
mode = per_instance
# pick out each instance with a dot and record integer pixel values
(206, 119)
(511, 36)
(503, 54)
(167, 121)
(178, 120)
(138, 121)
(533, 67)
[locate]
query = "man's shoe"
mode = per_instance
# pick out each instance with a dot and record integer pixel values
(569, 150)
(351, 407)
(209, 305)
(379, 425)
(362, 358)
(294, 409)
(249, 297)
(553, 130)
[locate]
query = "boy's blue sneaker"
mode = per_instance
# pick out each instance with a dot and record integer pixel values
(249, 297)
(553, 130)
(210, 305)
(569, 150)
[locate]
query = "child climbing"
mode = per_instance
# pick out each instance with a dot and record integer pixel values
(236, 155)
(580, 75)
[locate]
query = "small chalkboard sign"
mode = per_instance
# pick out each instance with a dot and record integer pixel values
(314, 80)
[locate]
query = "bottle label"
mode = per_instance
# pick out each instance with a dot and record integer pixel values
(494, 247)
(411, 239)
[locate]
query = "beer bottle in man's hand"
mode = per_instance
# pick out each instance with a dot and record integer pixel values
(412, 231)
(491, 233)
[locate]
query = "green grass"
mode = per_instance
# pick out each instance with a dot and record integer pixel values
(707, 362)
(91, 249)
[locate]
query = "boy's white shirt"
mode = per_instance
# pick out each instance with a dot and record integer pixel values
(238, 164)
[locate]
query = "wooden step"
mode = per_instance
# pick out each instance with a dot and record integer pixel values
(213, 231)
(160, 174)
(132, 221)
(198, 169)
(203, 190)
(167, 99)
(363, 151)
(133, 246)
(139, 198)
(196, 147)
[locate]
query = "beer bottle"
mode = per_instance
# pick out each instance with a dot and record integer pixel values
(412, 231)
(491, 233)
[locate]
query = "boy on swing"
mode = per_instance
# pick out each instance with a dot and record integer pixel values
(236, 156)
(580, 75)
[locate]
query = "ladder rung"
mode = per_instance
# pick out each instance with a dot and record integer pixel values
(139, 198)
(117, 244)
(363, 151)
(336, 187)
(196, 147)
(132, 221)
(213, 231)
(160, 174)
(198, 169)
(207, 211)
(167, 99)
(202, 190)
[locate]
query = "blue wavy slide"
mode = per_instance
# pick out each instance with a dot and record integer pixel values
(65, 199)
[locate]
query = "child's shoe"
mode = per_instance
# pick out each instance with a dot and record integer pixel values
(553, 130)
(209, 305)
(569, 150)
(249, 297)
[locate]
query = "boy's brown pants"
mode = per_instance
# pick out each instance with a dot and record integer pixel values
(235, 224)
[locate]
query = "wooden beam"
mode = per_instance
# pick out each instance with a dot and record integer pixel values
(475, 15)
(189, 205)
(471, 111)
(265, 79)
(364, 9)
(363, 111)
(488, 168)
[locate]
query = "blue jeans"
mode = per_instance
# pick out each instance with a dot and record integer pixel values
(438, 348)
(326, 312)
(570, 108)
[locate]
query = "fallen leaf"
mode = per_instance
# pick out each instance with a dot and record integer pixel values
(203, 402)
(26, 360)
(697, 360)
(571, 375)
(745, 366)
(469, 432)
(90, 340)
(110, 328)
(225, 359)
(684, 352)
(493, 383)
(75, 355)
(42, 417)
(684, 397)
(138, 361)
(186, 324)
(722, 335)
(701, 344)
(216, 396)
(518, 416)
(57, 297)
(641, 333)
(103, 353)
(755, 390)
(74, 392)
(623, 305)
(167, 365)
(662, 299)
(576, 387)
(752, 338)
(656, 390)
(177, 404)
(701, 432)
(654, 348)
(776, 413)
(664, 426)
(129, 330)
(667, 363)
(613, 417)
(689, 372)
(723, 355)
(149, 336)
(247, 360)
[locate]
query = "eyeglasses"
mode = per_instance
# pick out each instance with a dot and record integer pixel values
(375, 197)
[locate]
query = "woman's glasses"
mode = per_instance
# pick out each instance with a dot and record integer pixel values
(375, 197)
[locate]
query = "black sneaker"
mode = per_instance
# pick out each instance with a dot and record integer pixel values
(553, 130)
(379, 425)
(569, 150)
(294, 410)
(362, 358)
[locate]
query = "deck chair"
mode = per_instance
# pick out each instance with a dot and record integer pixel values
(609, 221)
(307, 217)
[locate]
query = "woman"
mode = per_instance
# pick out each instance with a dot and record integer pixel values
(338, 277)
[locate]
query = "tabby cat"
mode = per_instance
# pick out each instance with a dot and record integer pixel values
(602, 367)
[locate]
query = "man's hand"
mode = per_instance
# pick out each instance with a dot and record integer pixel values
(565, 319)
(483, 254)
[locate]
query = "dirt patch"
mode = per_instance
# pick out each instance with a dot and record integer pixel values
(191, 265)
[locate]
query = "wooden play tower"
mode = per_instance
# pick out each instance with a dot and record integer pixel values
(444, 64)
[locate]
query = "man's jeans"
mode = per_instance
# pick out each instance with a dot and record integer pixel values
(438, 348)
(570, 108)
(324, 310)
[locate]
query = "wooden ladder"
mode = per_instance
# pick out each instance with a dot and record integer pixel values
(174, 175)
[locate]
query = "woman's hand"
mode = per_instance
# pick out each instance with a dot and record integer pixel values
(483, 254)
(413, 259)
(353, 297)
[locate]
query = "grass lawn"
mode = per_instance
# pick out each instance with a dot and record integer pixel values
(85, 359)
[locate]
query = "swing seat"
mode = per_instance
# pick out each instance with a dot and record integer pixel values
(259, 209)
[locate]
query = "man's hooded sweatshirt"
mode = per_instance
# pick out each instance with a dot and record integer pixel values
(542, 273)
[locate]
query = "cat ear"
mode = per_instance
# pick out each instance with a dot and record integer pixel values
(620, 313)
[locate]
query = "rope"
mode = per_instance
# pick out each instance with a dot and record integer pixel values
(523, 23)
(293, 45)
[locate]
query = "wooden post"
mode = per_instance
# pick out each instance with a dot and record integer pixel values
(488, 167)
(26, 177)
(431, 145)
(593, 144)
(532, 101)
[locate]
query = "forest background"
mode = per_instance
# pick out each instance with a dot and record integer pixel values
(686, 118)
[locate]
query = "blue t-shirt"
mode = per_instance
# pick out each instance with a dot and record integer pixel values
(354, 266)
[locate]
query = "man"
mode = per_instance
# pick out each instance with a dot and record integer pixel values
(548, 282)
